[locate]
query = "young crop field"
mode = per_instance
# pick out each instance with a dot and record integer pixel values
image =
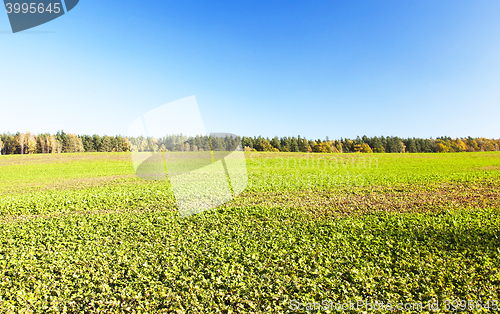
(80, 233)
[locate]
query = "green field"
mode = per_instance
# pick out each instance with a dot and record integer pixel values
(81, 233)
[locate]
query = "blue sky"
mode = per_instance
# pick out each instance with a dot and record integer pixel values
(315, 69)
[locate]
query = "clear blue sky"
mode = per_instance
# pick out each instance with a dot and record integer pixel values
(310, 68)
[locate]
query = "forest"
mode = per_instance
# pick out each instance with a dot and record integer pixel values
(61, 142)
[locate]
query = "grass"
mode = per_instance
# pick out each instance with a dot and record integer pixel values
(266, 170)
(326, 171)
(80, 233)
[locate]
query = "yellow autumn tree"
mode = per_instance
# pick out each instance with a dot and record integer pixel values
(30, 143)
(441, 148)
(54, 145)
(486, 145)
(125, 144)
(322, 148)
(75, 144)
(365, 148)
(472, 145)
(265, 145)
(339, 147)
(21, 141)
(458, 145)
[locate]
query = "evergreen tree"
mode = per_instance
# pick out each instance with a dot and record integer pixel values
(285, 144)
(97, 143)
(106, 144)
(275, 142)
(411, 145)
(88, 143)
(294, 145)
(247, 142)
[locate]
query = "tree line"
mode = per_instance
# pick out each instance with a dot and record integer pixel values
(185, 143)
(61, 142)
(388, 144)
